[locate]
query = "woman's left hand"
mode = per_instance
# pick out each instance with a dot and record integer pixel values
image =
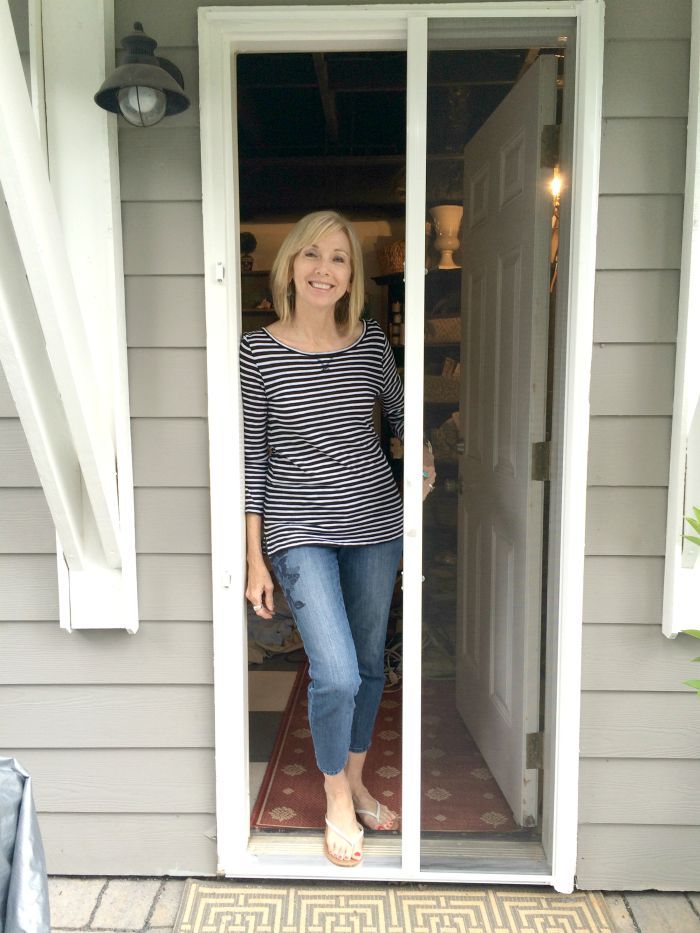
(429, 474)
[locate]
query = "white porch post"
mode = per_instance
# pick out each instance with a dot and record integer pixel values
(62, 339)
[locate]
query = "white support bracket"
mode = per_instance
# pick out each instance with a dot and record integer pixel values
(62, 327)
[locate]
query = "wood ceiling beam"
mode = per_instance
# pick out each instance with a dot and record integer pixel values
(366, 89)
(330, 111)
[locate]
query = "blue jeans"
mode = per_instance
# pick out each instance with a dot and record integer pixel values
(340, 598)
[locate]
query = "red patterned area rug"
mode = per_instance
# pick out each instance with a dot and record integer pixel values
(459, 794)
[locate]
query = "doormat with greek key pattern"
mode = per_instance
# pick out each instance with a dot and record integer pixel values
(231, 907)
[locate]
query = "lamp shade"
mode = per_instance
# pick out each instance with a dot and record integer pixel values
(144, 88)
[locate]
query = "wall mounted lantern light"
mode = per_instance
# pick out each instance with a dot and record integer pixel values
(144, 88)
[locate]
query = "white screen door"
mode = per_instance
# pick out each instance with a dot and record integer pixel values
(224, 33)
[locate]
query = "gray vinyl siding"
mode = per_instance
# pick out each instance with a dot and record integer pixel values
(640, 727)
(117, 730)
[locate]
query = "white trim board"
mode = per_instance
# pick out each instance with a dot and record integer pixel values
(681, 566)
(223, 32)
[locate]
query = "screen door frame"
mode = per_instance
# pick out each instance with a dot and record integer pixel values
(223, 33)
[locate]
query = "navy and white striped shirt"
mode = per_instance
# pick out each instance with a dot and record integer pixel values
(314, 466)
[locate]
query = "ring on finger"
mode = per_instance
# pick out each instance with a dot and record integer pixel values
(259, 606)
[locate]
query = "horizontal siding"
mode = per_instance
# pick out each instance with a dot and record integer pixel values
(636, 657)
(26, 526)
(639, 231)
(627, 520)
(645, 80)
(629, 451)
(640, 736)
(632, 379)
(28, 587)
(170, 451)
(163, 238)
(160, 653)
(168, 383)
(631, 19)
(16, 463)
(623, 589)
(128, 716)
(625, 724)
(161, 166)
(642, 19)
(172, 521)
(616, 857)
(174, 587)
(636, 306)
(165, 311)
(640, 156)
(170, 780)
(634, 791)
(178, 844)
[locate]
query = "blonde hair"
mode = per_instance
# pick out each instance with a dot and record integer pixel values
(306, 231)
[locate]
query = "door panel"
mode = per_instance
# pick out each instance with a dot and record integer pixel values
(504, 320)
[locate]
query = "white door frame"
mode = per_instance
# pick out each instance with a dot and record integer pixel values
(222, 33)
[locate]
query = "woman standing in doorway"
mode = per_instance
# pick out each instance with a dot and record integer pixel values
(322, 502)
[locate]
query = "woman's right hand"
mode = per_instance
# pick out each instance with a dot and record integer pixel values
(259, 589)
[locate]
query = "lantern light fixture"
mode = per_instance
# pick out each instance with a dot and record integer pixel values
(144, 88)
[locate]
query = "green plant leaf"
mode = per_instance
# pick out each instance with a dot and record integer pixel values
(697, 512)
(695, 684)
(691, 538)
(694, 523)
(696, 659)
(692, 631)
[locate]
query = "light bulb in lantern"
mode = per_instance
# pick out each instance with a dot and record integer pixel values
(142, 106)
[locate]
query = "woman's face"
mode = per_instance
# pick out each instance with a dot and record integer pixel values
(322, 271)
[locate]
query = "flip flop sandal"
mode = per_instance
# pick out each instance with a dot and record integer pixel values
(375, 816)
(351, 841)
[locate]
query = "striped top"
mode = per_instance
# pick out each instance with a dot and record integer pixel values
(314, 466)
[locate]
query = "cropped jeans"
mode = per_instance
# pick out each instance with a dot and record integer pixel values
(340, 598)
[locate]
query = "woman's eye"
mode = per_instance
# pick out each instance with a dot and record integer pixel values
(340, 258)
(310, 253)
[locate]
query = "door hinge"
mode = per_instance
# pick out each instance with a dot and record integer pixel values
(534, 750)
(549, 146)
(541, 453)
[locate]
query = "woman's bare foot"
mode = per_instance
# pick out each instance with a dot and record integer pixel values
(363, 800)
(340, 811)
(370, 812)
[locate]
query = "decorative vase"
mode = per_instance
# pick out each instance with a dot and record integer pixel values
(446, 221)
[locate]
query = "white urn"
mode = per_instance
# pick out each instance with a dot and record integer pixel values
(446, 222)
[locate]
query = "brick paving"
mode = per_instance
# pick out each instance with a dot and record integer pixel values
(149, 905)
